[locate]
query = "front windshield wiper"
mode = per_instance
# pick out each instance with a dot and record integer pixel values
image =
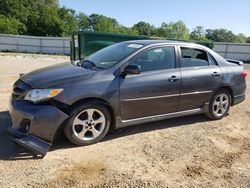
(88, 64)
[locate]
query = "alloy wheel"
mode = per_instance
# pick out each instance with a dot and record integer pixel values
(220, 104)
(89, 124)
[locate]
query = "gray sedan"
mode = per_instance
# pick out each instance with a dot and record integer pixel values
(124, 84)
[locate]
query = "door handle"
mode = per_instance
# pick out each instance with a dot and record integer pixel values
(216, 74)
(173, 78)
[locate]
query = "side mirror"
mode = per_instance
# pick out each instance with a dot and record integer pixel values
(132, 69)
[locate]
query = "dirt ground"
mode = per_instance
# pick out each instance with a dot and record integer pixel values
(183, 152)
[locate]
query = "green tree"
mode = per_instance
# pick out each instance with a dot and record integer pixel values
(19, 10)
(68, 19)
(220, 35)
(9, 25)
(50, 2)
(240, 38)
(33, 20)
(198, 33)
(83, 21)
(161, 32)
(127, 30)
(144, 28)
(31, 15)
(103, 23)
(165, 30)
(248, 40)
(177, 30)
(49, 23)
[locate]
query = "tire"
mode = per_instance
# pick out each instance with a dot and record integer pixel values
(82, 128)
(219, 105)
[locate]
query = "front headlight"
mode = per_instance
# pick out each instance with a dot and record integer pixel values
(38, 95)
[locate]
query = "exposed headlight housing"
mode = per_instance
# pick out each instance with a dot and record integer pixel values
(39, 95)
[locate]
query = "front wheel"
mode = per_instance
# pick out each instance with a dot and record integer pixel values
(219, 105)
(88, 124)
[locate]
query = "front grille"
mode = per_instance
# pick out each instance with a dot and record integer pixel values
(19, 89)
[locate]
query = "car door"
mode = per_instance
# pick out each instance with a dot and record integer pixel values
(156, 89)
(200, 77)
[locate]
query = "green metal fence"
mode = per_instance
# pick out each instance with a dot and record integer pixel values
(86, 42)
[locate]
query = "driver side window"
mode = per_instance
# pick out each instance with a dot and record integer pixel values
(155, 59)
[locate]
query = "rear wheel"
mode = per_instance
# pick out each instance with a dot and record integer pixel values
(219, 105)
(88, 124)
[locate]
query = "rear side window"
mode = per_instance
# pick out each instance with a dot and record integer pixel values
(191, 57)
(155, 59)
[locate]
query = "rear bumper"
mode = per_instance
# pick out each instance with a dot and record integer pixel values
(34, 126)
(239, 98)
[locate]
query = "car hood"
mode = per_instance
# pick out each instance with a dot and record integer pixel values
(55, 75)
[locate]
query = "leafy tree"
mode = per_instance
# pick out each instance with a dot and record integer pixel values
(69, 21)
(33, 20)
(49, 23)
(144, 28)
(198, 33)
(103, 23)
(248, 40)
(127, 30)
(240, 38)
(19, 10)
(177, 30)
(50, 2)
(83, 21)
(31, 16)
(164, 30)
(161, 31)
(9, 25)
(220, 35)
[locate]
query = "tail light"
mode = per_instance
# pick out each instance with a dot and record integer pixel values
(244, 74)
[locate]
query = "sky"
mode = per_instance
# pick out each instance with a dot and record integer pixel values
(233, 15)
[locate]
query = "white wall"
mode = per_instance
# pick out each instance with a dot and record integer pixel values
(237, 51)
(32, 44)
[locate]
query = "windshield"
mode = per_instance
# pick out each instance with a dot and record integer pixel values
(111, 55)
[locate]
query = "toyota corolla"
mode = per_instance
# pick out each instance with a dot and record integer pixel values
(124, 84)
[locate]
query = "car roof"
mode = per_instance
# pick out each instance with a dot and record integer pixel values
(157, 42)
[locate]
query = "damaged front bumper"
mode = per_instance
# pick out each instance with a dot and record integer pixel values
(34, 125)
(34, 144)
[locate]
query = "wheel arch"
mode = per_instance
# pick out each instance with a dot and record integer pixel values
(230, 90)
(99, 101)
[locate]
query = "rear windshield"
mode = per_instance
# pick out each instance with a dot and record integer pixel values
(111, 55)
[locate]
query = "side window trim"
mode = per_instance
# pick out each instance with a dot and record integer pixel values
(190, 47)
(184, 46)
(215, 62)
(154, 47)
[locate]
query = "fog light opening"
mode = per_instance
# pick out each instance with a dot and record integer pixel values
(25, 125)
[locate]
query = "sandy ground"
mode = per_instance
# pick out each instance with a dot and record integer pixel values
(183, 152)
